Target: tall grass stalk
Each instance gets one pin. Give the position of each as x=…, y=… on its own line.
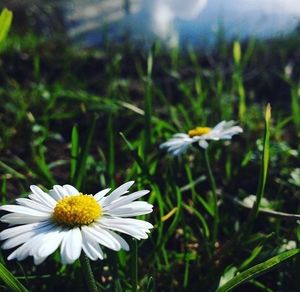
x=238, y=79
x=215, y=199
x=148, y=104
x=6, y=17
x=295, y=105
x=74, y=151
x=82, y=158
x=264, y=165
x=111, y=149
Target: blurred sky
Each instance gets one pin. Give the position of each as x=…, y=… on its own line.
x=173, y=21
x=182, y=21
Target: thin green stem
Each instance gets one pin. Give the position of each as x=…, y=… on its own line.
x=148, y=105
x=88, y=273
x=215, y=198
x=134, y=266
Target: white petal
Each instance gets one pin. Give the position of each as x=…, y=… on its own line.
x=28, y=248
x=101, y=194
x=38, y=260
x=126, y=199
x=91, y=247
x=34, y=205
x=22, y=210
x=223, y=130
x=16, y=218
x=177, y=140
x=71, y=246
x=71, y=191
x=174, y=142
x=126, y=221
x=25, y=236
x=219, y=125
x=101, y=236
x=181, y=135
x=14, y=231
x=130, y=230
x=17, y=240
x=20, y=253
x=42, y=197
x=62, y=192
x=134, y=227
x=203, y=144
x=132, y=209
x=55, y=195
x=117, y=193
x=51, y=242
x=179, y=144
x=36, y=242
x=17, y=252
x=178, y=151
x=121, y=240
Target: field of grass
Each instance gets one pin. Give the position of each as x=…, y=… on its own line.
x=96, y=118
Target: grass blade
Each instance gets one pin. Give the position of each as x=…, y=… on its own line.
x=258, y=270
x=295, y=105
x=81, y=165
x=6, y=17
x=237, y=53
x=148, y=104
x=42, y=166
x=74, y=151
x=10, y=280
x=111, y=149
x=215, y=199
x=7, y=169
x=150, y=285
x=264, y=165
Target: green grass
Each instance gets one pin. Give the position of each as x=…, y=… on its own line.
x=96, y=118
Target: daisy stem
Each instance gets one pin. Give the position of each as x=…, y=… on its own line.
x=88, y=273
x=134, y=266
x=215, y=199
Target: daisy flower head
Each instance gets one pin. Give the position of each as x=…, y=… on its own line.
x=180, y=142
x=75, y=222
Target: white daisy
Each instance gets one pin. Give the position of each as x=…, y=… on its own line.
x=180, y=142
x=68, y=219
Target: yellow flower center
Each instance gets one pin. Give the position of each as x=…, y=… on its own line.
x=77, y=210
x=199, y=131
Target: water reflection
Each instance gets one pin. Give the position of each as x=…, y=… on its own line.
x=173, y=21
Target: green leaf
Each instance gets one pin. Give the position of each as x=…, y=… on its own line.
x=10, y=280
x=258, y=270
x=6, y=17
